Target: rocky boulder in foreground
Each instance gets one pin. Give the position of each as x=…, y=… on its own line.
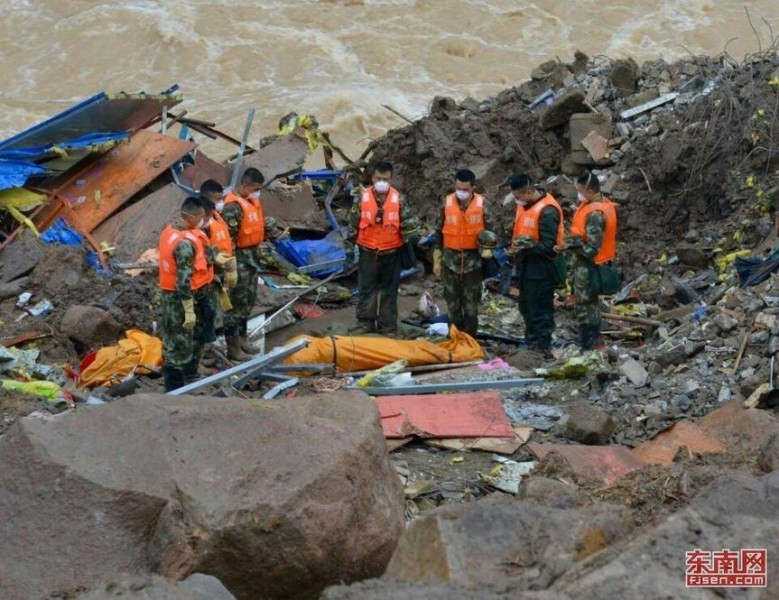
x=274, y=499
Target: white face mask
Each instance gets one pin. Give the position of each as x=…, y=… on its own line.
x=220, y=205
x=255, y=195
x=382, y=187
x=581, y=196
x=204, y=222
x=462, y=194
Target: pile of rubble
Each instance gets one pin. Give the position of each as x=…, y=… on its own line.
x=541, y=478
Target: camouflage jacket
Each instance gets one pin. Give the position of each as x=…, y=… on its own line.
x=536, y=262
x=594, y=229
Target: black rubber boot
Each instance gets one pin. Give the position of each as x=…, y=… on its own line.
x=174, y=378
x=589, y=336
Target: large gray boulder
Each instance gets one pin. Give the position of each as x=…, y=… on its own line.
x=503, y=540
x=274, y=499
x=733, y=512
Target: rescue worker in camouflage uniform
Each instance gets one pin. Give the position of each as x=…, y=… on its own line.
x=380, y=223
x=245, y=220
x=538, y=230
x=187, y=301
x=592, y=241
x=463, y=238
x=226, y=270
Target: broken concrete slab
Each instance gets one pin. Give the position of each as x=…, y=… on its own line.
x=90, y=325
x=635, y=372
x=476, y=414
x=604, y=464
x=596, y=145
x=588, y=425
x=549, y=492
x=471, y=543
x=662, y=448
x=570, y=102
x=228, y=487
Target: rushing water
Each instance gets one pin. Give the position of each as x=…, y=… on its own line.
x=338, y=59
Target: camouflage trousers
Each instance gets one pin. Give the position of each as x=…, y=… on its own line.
x=536, y=304
x=242, y=297
x=179, y=345
x=377, y=301
x=587, y=305
x=462, y=292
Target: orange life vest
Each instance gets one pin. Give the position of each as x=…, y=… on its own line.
x=252, y=229
x=462, y=228
x=526, y=220
x=380, y=236
x=219, y=234
x=203, y=273
x=608, y=249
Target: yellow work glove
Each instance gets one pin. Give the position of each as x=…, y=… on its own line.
x=231, y=279
x=224, y=300
x=189, y=314
x=437, y=256
x=486, y=253
x=223, y=258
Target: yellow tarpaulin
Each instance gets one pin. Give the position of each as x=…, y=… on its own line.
x=17, y=200
x=138, y=351
x=361, y=353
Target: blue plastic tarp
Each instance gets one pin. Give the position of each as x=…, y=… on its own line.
x=13, y=173
x=61, y=233
x=311, y=252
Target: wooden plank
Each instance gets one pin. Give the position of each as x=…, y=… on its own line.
x=118, y=175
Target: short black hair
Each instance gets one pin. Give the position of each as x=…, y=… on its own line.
x=520, y=181
x=252, y=175
x=211, y=186
x=207, y=204
x=191, y=204
x=590, y=181
x=383, y=167
x=466, y=176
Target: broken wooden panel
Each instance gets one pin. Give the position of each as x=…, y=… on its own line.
x=283, y=156
x=477, y=414
x=204, y=168
x=497, y=445
x=295, y=207
x=662, y=448
x=138, y=227
x=606, y=464
x=113, y=179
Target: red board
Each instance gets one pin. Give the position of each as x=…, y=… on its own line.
x=478, y=414
x=601, y=463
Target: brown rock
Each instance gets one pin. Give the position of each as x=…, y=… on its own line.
x=472, y=543
x=20, y=256
x=642, y=98
x=90, y=325
x=588, y=425
x=742, y=430
x=286, y=498
x=549, y=492
x=624, y=76
x=768, y=459
x=693, y=256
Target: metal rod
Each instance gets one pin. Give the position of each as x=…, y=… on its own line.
x=277, y=389
x=239, y=159
x=432, y=388
x=428, y=368
x=322, y=265
x=274, y=355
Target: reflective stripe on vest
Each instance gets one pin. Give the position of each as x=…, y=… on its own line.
x=202, y=275
x=608, y=248
x=379, y=236
x=219, y=234
x=462, y=228
x=526, y=221
x=252, y=229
